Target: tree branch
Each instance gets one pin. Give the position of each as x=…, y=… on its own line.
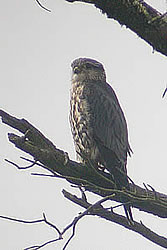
x=57, y=162
x=93, y=209
x=139, y=228
x=141, y=18
x=35, y=222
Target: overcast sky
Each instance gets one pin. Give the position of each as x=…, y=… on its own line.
x=36, y=50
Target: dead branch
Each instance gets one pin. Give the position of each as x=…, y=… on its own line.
x=18, y=167
x=137, y=15
x=93, y=209
x=35, y=222
x=55, y=160
x=139, y=228
x=81, y=215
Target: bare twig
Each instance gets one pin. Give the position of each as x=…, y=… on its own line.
x=43, y=166
x=36, y=163
x=120, y=205
x=18, y=167
x=93, y=209
x=34, y=222
x=81, y=215
x=119, y=219
x=43, y=245
x=164, y=93
x=38, y=2
x=21, y=221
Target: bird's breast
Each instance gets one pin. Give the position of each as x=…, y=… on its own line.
x=80, y=119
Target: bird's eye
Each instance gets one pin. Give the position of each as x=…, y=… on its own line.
x=76, y=70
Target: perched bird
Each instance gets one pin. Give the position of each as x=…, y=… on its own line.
x=98, y=123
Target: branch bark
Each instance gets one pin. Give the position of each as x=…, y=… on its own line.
x=141, y=18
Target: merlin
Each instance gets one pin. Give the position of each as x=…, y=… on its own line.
x=98, y=123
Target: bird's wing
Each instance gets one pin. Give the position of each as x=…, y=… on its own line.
x=108, y=121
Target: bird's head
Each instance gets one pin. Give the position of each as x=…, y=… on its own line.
x=86, y=69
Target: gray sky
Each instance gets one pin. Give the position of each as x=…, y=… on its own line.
x=36, y=49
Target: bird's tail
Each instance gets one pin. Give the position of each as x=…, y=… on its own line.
x=121, y=181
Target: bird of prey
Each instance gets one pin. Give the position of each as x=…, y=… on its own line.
x=98, y=123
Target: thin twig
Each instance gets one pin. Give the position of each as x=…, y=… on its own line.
x=43, y=245
x=37, y=163
x=22, y=221
x=18, y=167
x=121, y=220
x=43, y=7
x=81, y=215
x=52, y=225
x=44, y=175
x=34, y=222
x=164, y=93
x=43, y=166
x=120, y=205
